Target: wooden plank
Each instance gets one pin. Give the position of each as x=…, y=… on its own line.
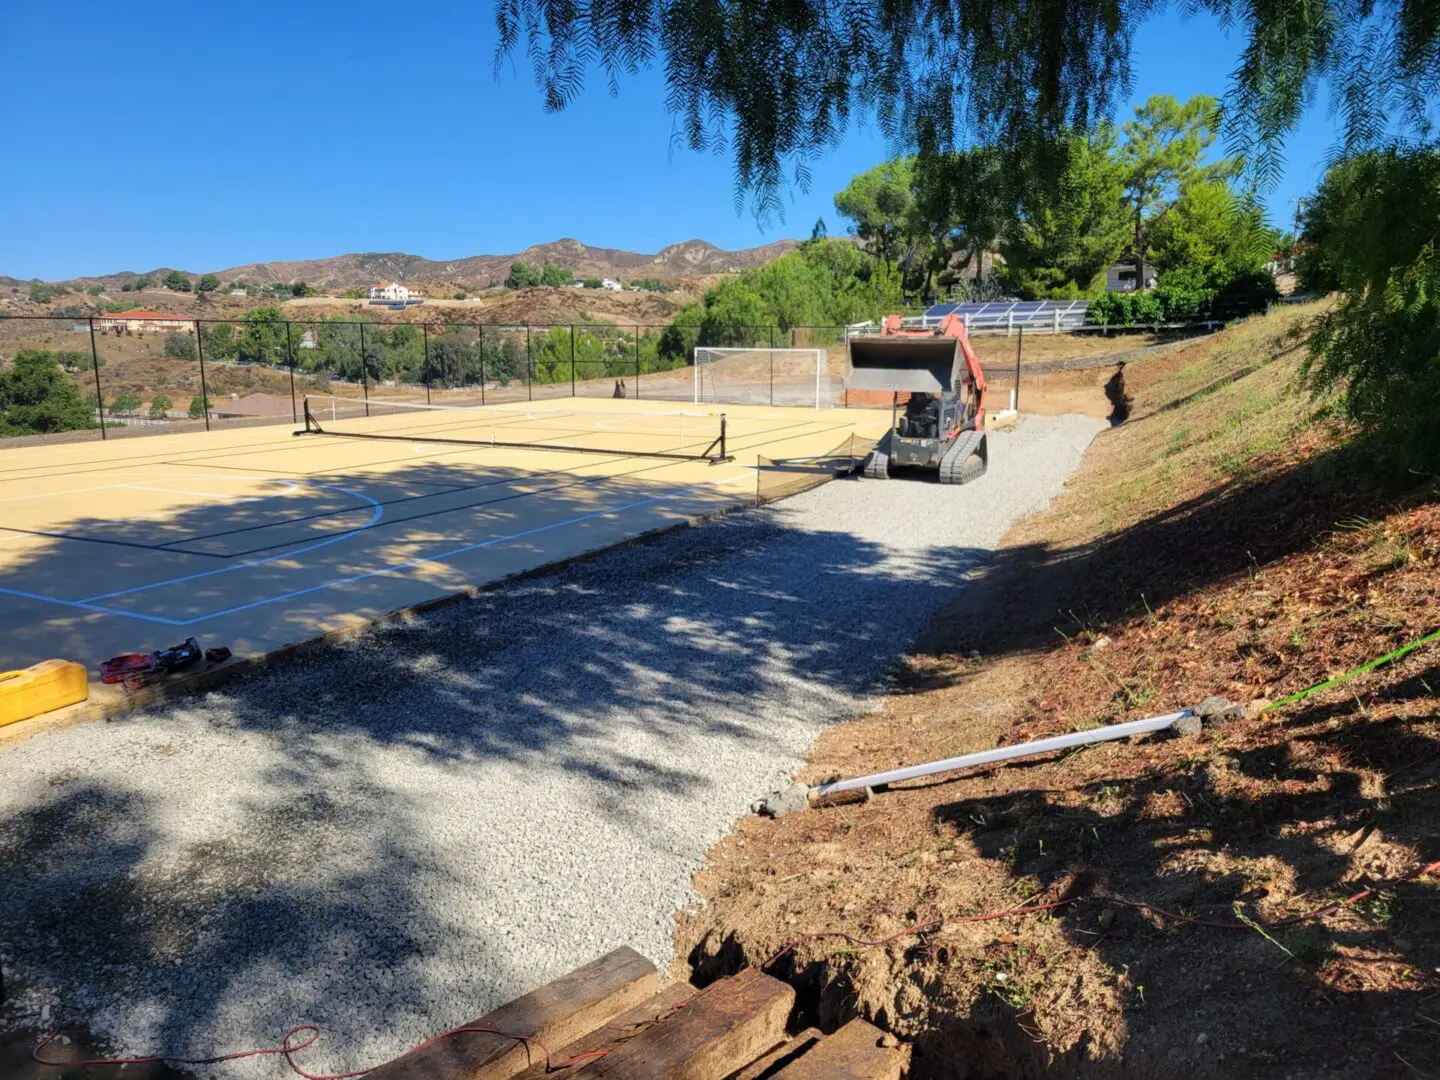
x=852, y=1053
x=727, y=1026
x=769, y=1064
x=623, y=1028
x=557, y=1013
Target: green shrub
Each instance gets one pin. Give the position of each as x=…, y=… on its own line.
x=1372, y=224
x=1183, y=302
x=36, y=396
x=1246, y=293
x=160, y=407
x=1110, y=309
x=181, y=346
x=1146, y=307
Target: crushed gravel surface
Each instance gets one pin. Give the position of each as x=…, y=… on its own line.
x=390, y=837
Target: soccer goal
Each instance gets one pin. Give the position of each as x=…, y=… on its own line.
x=795, y=377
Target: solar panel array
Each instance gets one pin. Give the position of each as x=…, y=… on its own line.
x=1050, y=314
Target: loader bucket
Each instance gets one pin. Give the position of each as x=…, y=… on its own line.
x=919, y=364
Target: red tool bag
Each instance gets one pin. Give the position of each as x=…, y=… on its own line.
x=125, y=667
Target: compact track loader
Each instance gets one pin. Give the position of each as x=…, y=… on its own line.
x=942, y=425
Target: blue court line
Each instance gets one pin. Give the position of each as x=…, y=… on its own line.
x=427, y=559
x=377, y=512
x=84, y=605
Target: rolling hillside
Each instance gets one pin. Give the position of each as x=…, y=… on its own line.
x=691, y=258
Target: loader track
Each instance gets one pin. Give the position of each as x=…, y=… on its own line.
x=877, y=462
x=965, y=460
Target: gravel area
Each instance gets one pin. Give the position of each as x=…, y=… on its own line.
x=390, y=837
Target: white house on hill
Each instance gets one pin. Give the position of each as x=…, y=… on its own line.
x=393, y=291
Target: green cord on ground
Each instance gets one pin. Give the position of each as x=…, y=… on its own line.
x=1361, y=670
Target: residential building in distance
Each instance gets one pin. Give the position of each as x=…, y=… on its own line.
x=140, y=321
x=392, y=291
x=1121, y=277
x=611, y=284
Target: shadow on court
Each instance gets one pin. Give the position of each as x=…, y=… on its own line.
x=301, y=553
x=393, y=834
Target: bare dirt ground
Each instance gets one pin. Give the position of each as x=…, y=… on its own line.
x=1224, y=541
x=997, y=349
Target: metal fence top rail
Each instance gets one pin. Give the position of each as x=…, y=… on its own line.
x=991, y=308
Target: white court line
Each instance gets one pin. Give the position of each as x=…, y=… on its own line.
x=291, y=486
x=229, y=500
x=122, y=483
x=62, y=494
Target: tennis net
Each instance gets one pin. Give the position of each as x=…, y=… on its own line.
x=679, y=435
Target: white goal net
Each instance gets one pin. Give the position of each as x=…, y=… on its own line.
x=795, y=377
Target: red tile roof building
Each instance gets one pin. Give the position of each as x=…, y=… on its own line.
x=140, y=321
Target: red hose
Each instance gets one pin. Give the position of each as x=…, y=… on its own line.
x=287, y=1048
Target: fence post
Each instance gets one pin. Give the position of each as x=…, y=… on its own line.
x=1057, y=320
x=364, y=371
x=1015, y=394
x=204, y=388
x=95, y=366
x=425, y=364
x=572, y=359
x=637, y=363
x=772, y=367
x=1010, y=324
x=100, y=401
x=290, y=356
x=482, y=366
x=529, y=369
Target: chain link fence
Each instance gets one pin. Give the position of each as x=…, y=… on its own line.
x=98, y=376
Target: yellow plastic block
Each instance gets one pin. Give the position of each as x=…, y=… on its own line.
x=48, y=685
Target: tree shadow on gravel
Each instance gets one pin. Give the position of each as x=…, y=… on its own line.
x=1205, y=838
x=213, y=870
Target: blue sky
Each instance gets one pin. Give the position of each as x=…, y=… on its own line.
x=205, y=136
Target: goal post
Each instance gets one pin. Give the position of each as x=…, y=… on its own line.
x=761, y=376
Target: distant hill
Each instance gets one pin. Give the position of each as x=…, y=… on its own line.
x=692, y=258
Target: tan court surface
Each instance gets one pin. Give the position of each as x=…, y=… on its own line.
x=257, y=538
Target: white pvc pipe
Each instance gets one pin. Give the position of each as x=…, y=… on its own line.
x=1005, y=753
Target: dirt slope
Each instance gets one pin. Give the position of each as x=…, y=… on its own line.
x=1221, y=542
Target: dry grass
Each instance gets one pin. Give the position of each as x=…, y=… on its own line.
x=1219, y=543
